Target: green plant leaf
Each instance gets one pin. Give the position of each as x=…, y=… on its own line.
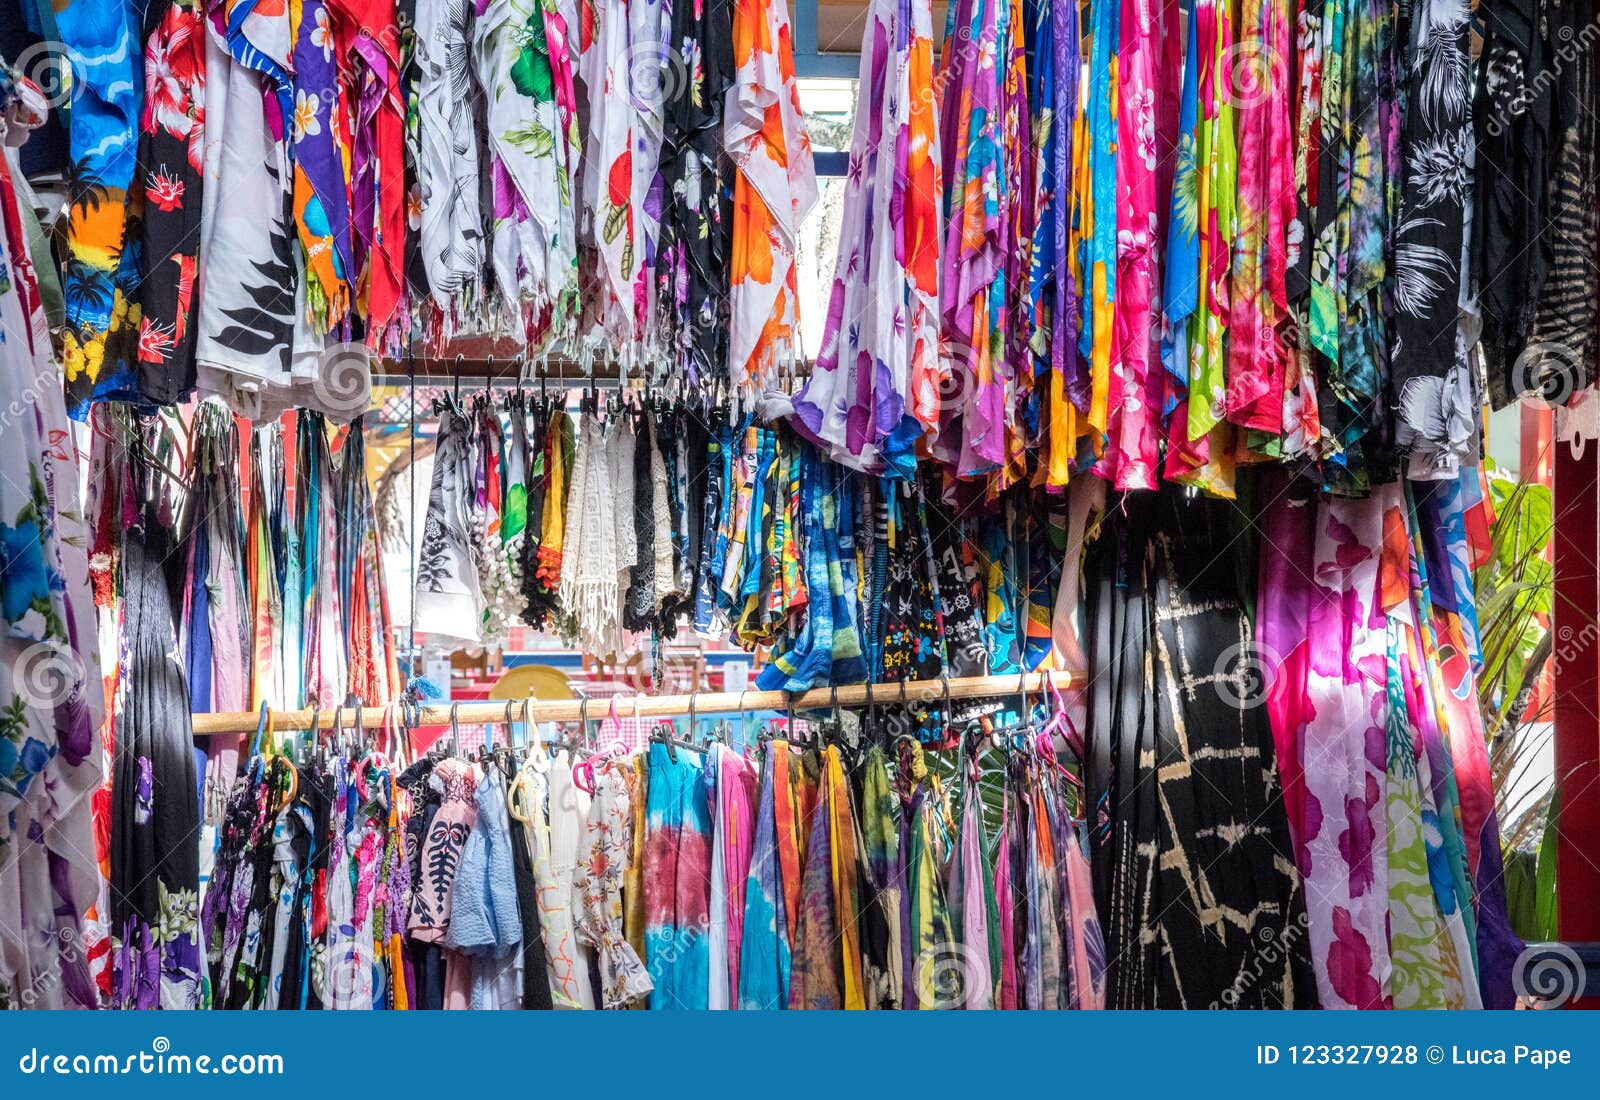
x=533, y=139
x=1546, y=909
x=616, y=218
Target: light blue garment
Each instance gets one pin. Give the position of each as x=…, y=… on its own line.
x=764, y=949
x=677, y=945
x=1102, y=242
x=1182, y=289
x=483, y=901
x=808, y=661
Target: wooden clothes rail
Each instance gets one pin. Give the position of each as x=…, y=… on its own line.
x=649, y=706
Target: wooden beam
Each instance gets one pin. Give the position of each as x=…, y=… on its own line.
x=924, y=692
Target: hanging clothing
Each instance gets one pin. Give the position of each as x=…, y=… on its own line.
x=54, y=940
x=569, y=807
x=764, y=950
x=677, y=896
x=528, y=802
x=155, y=813
x=774, y=188
x=171, y=163
x=98, y=343
x=449, y=602
x=876, y=387
x=732, y=854
x=602, y=867
x=1187, y=828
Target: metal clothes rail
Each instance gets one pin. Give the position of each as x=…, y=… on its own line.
x=926, y=692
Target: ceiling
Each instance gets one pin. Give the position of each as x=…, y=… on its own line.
x=840, y=23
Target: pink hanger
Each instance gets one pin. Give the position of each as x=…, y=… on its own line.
x=1059, y=722
x=583, y=771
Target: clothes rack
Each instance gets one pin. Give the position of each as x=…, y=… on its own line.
x=652, y=706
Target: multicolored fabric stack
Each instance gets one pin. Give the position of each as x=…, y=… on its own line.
x=53, y=905
x=1158, y=241
x=265, y=195
x=808, y=875
x=637, y=517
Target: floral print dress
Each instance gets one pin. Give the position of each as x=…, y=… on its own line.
x=874, y=389
x=51, y=759
x=772, y=194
